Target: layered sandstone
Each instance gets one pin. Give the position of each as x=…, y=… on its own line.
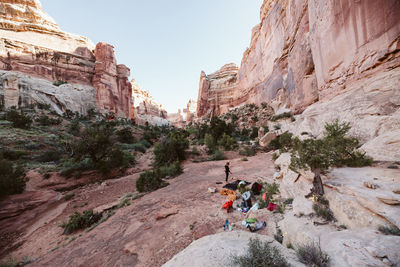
x=31, y=43
x=309, y=50
x=184, y=116
x=147, y=109
x=216, y=90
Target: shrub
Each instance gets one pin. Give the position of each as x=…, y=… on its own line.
x=312, y=255
x=59, y=82
x=171, y=170
x=227, y=142
x=171, y=148
x=260, y=254
x=282, y=116
x=266, y=129
x=217, y=155
x=389, y=230
x=323, y=211
x=45, y=120
x=334, y=149
x=43, y=106
x=18, y=119
x=254, y=133
x=145, y=143
x=210, y=143
x=125, y=136
x=248, y=152
x=69, y=196
x=283, y=142
x=264, y=105
x=149, y=181
x=139, y=147
x=79, y=221
x=275, y=156
x=13, y=154
x=74, y=128
x=75, y=168
x=195, y=151
x=49, y=156
x=12, y=179
x=245, y=159
x=96, y=144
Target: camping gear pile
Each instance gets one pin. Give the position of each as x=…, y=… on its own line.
x=246, y=206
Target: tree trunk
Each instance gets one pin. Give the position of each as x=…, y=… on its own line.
x=317, y=183
x=318, y=188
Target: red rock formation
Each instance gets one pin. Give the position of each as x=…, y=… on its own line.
x=32, y=43
x=114, y=92
x=307, y=50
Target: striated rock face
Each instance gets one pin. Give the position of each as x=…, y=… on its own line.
x=216, y=91
x=305, y=51
x=146, y=108
x=185, y=116
x=32, y=43
x=114, y=91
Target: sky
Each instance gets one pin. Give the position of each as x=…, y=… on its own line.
x=165, y=43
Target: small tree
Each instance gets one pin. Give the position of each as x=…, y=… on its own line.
x=12, y=179
x=210, y=143
x=171, y=148
x=334, y=149
x=18, y=119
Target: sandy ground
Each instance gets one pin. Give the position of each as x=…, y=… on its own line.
x=139, y=235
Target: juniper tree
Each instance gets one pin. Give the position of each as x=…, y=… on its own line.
x=333, y=149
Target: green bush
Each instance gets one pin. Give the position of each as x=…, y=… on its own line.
x=74, y=128
x=171, y=170
x=210, y=143
x=145, y=143
x=217, y=155
x=50, y=156
x=45, y=120
x=334, y=149
x=95, y=143
x=149, y=181
x=13, y=154
x=248, y=152
x=12, y=179
x=18, y=119
x=260, y=254
x=43, y=106
x=312, y=255
x=78, y=221
x=323, y=211
x=125, y=136
x=171, y=148
x=254, y=133
x=283, y=142
x=139, y=147
x=226, y=142
x=282, y=116
x=389, y=230
x=59, y=82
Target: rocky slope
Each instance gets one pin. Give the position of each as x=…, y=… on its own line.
x=307, y=51
x=146, y=107
x=32, y=44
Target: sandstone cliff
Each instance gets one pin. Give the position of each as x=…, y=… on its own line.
x=146, y=108
x=184, y=116
x=309, y=50
x=31, y=43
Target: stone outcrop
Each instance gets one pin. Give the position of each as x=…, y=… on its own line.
x=216, y=250
x=146, y=108
x=32, y=43
x=307, y=51
x=185, y=116
x=216, y=91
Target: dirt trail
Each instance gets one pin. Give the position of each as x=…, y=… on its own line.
x=138, y=235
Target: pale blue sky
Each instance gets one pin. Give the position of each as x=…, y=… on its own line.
x=165, y=43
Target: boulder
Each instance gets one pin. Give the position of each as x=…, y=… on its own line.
x=266, y=139
x=216, y=250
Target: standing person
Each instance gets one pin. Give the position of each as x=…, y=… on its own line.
x=227, y=171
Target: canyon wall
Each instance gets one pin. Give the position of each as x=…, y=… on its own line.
x=304, y=51
x=185, y=116
x=33, y=47
x=146, y=107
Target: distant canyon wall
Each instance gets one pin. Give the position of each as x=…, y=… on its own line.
x=33, y=48
x=304, y=51
x=146, y=108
